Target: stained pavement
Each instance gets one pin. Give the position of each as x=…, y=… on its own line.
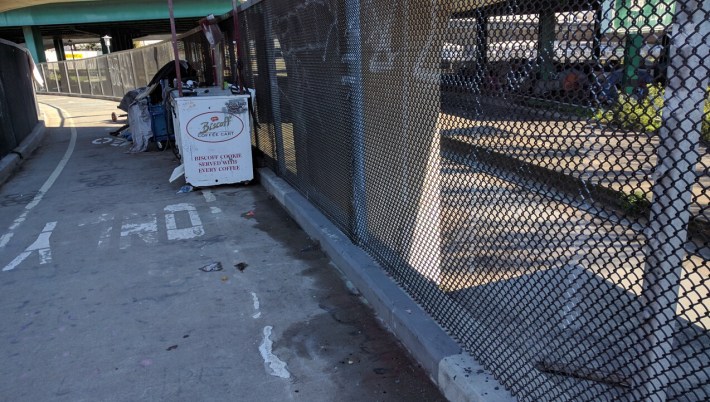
x=104, y=298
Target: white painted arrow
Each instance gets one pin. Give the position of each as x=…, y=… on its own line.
x=41, y=246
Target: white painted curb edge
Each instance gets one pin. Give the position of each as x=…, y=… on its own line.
x=457, y=374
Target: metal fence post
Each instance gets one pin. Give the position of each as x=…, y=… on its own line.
x=98, y=76
x=353, y=58
x=147, y=69
x=78, y=78
x=134, y=72
x=88, y=76
x=56, y=78
x=274, y=94
x=64, y=81
x=672, y=193
x=45, y=74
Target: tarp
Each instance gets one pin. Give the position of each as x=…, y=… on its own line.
x=139, y=121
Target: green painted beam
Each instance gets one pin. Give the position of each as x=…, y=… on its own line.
x=110, y=11
x=632, y=60
x=33, y=41
x=59, y=48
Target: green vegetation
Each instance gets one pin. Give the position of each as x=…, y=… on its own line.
x=635, y=114
x=635, y=203
x=645, y=114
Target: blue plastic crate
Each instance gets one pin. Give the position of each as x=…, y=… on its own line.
x=158, y=123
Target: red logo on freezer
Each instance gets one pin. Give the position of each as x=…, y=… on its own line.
x=215, y=127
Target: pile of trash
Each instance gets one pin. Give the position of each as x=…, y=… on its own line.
x=146, y=108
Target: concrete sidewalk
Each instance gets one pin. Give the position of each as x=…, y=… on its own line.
x=116, y=287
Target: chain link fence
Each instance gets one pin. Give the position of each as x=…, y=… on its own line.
x=18, y=109
x=535, y=174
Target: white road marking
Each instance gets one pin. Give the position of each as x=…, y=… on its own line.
x=276, y=366
x=255, y=298
x=209, y=197
x=41, y=246
x=5, y=238
x=174, y=233
x=215, y=210
x=101, y=141
x=147, y=231
x=105, y=233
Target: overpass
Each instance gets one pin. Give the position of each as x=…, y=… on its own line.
x=40, y=25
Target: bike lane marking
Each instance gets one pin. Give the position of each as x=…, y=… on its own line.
x=5, y=238
x=41, y=246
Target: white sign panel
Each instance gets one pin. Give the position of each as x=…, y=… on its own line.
x=214, y=139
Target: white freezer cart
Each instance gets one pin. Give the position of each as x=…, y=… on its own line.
x=213, y=135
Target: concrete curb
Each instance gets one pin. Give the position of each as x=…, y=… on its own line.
x=458, y=375
x=89, y=96
x=10, y=162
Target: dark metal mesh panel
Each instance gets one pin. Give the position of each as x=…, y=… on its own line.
x=149, y=61
x=51, y=77
x=558, y=147
x=105, y=76
x=94, y=79
x=141, y=76
x=307, y=73
x=195, y=49
x=18, y=110
x=534, y=173
x=82, y=76
x=72, y=79
x=257, y=74
x=63, y=78
x=114, y=74
x=125, y=71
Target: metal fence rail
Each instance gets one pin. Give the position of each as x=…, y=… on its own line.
x=18, y=109
x=114, y=74
x=535, y=174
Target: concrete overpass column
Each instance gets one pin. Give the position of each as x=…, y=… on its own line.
x=33, y=41
x=121, y=40
x=59, y=48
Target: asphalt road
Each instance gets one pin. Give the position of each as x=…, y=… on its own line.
x=116, y=287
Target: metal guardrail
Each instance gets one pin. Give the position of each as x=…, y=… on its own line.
x=114, y=74
x=18, y=109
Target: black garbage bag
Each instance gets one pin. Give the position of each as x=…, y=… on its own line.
x=168, y=72
x=154, y=91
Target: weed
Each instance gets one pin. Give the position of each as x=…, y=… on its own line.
x=645, y=114
x=635, y=203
